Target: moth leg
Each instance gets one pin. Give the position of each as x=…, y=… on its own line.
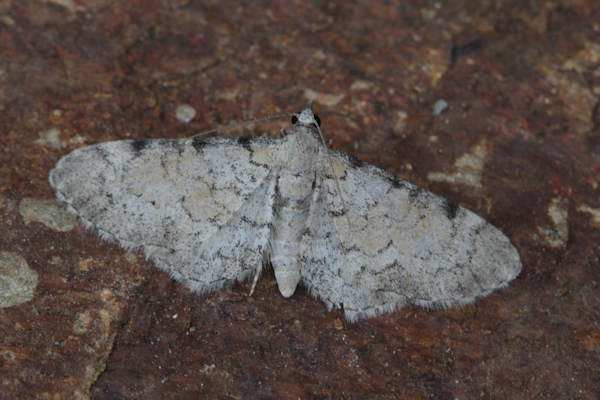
x=282, y=133
x=255, y=280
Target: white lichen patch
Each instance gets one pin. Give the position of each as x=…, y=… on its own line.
x=401, y=117
x=361, y=85
x=557, y=234
x=82, y=322
x=68, y=4
x=435, y=64
x=469, y=168
x=323, y=98
x=17, y=280
x=185, y=113
x=594, y=213
x=439, y=107
x=49, y=212
x=50, y=138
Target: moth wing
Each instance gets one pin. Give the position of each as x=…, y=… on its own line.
x=404, y=245
x=199, y=208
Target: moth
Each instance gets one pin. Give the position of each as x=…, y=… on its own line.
x=213, y=211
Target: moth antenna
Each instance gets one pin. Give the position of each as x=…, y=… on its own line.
x=337, y=182
x=237, y=124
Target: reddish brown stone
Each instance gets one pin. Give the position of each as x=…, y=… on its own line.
x=522, y=85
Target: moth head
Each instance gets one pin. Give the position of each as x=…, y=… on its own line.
x=306, y=117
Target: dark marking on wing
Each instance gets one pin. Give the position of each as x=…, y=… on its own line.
x=198, y=144
x=244, y=141
x=110, y=199
x=175, y=144
x=415, y=192
x=396, y=182
x=420, y=196
x=355, y=162
x=138, y=145
x=451, y=208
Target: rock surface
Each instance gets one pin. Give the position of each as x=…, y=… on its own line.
x=518, y=142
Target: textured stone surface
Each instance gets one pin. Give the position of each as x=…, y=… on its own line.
x=518, y=143
x=49, y=212
x=17, y=280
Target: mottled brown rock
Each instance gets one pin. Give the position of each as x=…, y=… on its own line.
x=518, y=143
